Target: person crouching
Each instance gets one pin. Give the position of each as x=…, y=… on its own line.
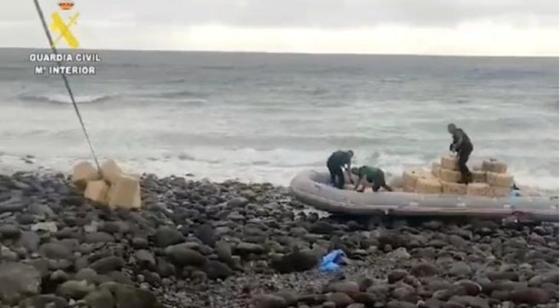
x=371, y=177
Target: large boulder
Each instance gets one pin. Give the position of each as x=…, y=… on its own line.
x=18, y=280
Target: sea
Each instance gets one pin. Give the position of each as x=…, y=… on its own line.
x=262, y=117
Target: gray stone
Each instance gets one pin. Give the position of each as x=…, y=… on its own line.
x=45, y=226
x=9, y=231
x=238, y=202
x=44, y=301
x=99, y=237
x=532, y=296
x=108, y=264
x=167, y=236
x=340, y=299
x=345, y=286
x=471, y=301
x=131, y=297
x=101, y=298
x=145, y=258
x=248, y=248
x=181, y=255
x=217, y=270
x=55, y=251
x=75, y=289
x=30, y=241
x=18, y=280
x=269, y=301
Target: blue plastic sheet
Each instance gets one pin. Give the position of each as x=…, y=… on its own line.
x=332, y=261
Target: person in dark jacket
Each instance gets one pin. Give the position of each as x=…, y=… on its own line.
x=337, y=162
x=370, y=176
x=463, y=146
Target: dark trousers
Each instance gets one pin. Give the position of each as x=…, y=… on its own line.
x=463, y=155
x=379, y=183
x=337, y=176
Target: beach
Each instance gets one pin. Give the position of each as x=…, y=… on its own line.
x=260, y=117
x=219, y=136
x=234, y=244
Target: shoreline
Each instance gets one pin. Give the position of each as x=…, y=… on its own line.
x=232, y=244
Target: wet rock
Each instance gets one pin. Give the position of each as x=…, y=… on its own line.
x=45, y=301
x=205, y=234
x=248, y=248
x=9, y=231
x=167, y=236
x=396, y=275
x=131, y=297
x=538, y=280
x=30, y=241
x=405, y=293
x=140, y=243
x=471, y=288
x=181, y=255
x=75, y=289
x=399, y=254
x=99, y=237
x=424, y=270
x=322, y=227
x=108, y=264
x=101, y=298
x=290, y=297
x=297, y=261
x=460, y=269
x=145, y=258
x=18, y=280
x=45, y=226
x=55, y=251
x=88, y=275
x=503, y=276
x=340, y=299
x=532, y=296
x=400, y=304
x=238, y=202
x=223, y=250
x=344, y=286
x=269, y=301
x=217, y=270
x=471, y=301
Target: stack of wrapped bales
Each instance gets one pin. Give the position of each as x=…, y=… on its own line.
x=491, y=180
x=111, y=186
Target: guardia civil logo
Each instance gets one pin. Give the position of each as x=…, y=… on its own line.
x=63, y=20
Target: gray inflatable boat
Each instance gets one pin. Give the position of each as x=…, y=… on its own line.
x=313, y=188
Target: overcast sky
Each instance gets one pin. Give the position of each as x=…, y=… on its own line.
x=456, y=27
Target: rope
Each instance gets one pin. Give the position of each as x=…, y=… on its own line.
x=66, y=83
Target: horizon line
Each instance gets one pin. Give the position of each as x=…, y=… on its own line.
x=288, y=52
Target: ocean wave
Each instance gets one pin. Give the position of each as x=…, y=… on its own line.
x=177, y=94
x=64, y=98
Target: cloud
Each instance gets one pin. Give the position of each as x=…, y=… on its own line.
x=403, y=26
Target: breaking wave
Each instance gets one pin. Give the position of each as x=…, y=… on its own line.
x=64, y=98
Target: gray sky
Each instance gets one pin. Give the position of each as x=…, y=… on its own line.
x=467, y=27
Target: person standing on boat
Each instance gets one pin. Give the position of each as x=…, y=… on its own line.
x=463, y=146
x=370, y=176
x=337, y=162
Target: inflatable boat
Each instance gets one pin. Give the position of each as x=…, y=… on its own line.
x=314, y=189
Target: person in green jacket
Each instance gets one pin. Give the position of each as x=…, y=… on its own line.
x=370, y=176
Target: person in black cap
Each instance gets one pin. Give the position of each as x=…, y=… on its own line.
x=338, y=161
x=463, y=146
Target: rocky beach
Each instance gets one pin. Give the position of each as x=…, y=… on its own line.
x=231, y=244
